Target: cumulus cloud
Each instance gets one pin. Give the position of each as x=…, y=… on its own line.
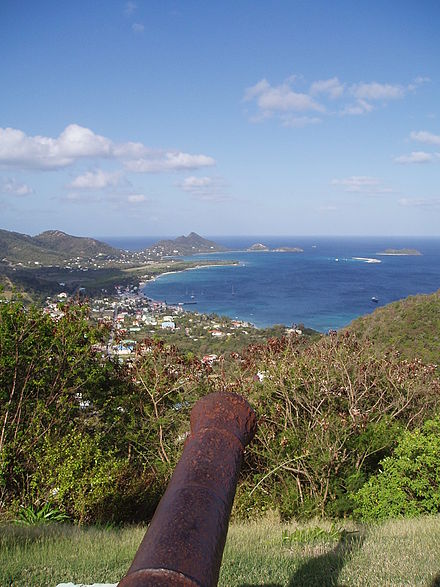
x=275, y=101
x=361, y=184
x=426, y=137
x=417, y=157
x=96, y=180
x=170, y=161
x=39, y=152
x=418, y=81
x=13, y=188
x=332, y=87
x=136, y=198
x=376, y=91
x=208, y=189
x=191, y=183
x=280, y=98
x=358, y=108
x=299, y=121
x=77, y=143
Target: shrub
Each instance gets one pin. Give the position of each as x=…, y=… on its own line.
x=409, y=482
x=328, y=414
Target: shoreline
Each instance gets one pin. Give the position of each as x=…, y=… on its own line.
x=155, y=277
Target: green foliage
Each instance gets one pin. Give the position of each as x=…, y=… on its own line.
x=409, y=482
x=99, y=440
x=313, y=535
x=328, y=413
x=47, y=514
x=47, y=370
x=410, y=326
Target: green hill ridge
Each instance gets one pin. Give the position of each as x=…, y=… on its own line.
x=51, y=246
x=411, y=325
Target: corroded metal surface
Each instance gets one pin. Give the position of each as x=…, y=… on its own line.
x=184, y=543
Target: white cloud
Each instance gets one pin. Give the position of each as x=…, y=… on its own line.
x=420, y=202
x=13, y=188
x=191, y=183
x=171, y=161
x=418, y=81
x=278, y=101
x=280, y=98
x=136, y=198
x=208, y=189
x=362, y=184
x=376, y=91
x=426, y=137
x=138, y=27
x=358, y=108
x=98, y=179
x=38, y=152
x=332, y=87
x=254, y=91
x=417, y=157
x=299, y=121
x=77, y=142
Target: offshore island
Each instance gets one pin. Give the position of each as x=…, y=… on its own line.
x=260, y=247
x=400, y=252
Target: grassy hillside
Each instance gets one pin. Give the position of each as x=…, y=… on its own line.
x=412, y=326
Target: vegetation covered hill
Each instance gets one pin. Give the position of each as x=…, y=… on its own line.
x=187, y=245
x=411, y=326
x=74, y=246
x=50, y=247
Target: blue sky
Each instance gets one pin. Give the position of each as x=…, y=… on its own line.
x=245, y=117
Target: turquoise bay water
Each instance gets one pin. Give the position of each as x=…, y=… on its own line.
x=323, y=288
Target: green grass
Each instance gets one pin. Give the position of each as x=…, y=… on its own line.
x=396, y=553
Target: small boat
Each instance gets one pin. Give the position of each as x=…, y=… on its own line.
x=374, y=299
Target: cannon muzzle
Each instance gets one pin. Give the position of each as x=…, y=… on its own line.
x=184, y=543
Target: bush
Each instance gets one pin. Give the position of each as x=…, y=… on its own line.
x=328, y=414
x=409, y=482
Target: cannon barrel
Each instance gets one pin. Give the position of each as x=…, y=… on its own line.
x=184, y=543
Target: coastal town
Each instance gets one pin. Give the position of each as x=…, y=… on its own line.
x=132, y=317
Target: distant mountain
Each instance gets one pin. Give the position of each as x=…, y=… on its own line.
x=50, y=247
x=74, y=246
x=186, y=245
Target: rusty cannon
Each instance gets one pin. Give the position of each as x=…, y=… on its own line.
x=184, y=543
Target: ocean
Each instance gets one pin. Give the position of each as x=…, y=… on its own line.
x=325, y=287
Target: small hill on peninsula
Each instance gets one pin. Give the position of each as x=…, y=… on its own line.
x=411, y=326
x=186, y=245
